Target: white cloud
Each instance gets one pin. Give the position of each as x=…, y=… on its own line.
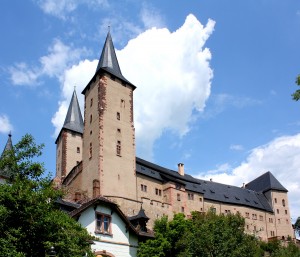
x=172, y=75
x=280, y=156
x=151, y=17
x=61, y=8
x=5, y=125
x=236, y=147
x=59, y=57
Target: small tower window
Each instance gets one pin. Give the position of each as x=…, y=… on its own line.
x=122, y=103
x=91, y=150
x=178, y=197
x=91, y=104
x=275, y=200
x=96, y=188
x=78, y=149
x=118, y=116
x=283, y=202
x=119, y=130
x=118, y=148
x=91, y=118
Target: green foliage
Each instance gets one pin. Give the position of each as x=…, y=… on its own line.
x=30, y=221
x=297, y=226
x=209, y=235
x=296, y=95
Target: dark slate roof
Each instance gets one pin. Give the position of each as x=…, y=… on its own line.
x=140, y=215
x=265, y=183
x=74, y=119
x=211, y=190
x=8, y=146
x=108, y=60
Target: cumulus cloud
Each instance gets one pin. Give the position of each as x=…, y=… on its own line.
x=5, y=125
x=59, y=57
x=172, y=73
x=61, y=8
x=281, y=156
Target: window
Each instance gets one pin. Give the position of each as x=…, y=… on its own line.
x=182, y=209
x=275, y=200
x=96, y=188
x=143, y=188
x=122, y=103
x=78, y=149
x=254, y=228
x=213, y=210
x=91, y=103
x=91, y=150
x=190, y=196
x=77, y=196
x=178, y=186
x=200, y=199
x=103, y=223
x=261, y=218
x=247, y=215
x=287, y=221
x=271, y=220
x=158, y=191
x=119, y=130
x=227, y=211
x=283, y=202
x=118, y=116
x=178, y=197
x=254, y=216
x=285, y=212
x=118, y=148
x=279, y=221
x=91, y=132
x=277, y=211
x=91, y=118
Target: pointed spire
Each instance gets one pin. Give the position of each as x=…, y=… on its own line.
x=74, y=119
x=9, y=145
x=108, y=60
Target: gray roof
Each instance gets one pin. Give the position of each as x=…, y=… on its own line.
x=8, y=147
x=265, y=183
x=211, y=190
x=108, y=60
x=140, y=215
x=74, y=121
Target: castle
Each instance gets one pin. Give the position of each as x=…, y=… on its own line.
x=95, y=156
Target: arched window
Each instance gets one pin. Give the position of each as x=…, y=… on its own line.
x=96, y=188
x=283, y=202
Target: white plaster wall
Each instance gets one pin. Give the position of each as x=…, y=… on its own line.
x=120, y=243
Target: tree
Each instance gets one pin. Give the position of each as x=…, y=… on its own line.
x=202, y=235
x=30, y=219
x=217, y=235
x=297, y=226
x=296, y=95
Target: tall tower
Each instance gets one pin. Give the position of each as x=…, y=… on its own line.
x=5, y=173
x=109, y=137
x=69, y=140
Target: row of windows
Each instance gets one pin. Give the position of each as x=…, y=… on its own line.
x=283, y=201
x=118, y=149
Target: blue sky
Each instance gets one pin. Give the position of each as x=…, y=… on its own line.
x=214, y=79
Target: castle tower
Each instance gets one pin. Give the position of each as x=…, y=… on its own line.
x=109, y=137
x=280, y=220
x=69, y=140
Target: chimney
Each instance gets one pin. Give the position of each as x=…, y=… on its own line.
x=181, y=169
